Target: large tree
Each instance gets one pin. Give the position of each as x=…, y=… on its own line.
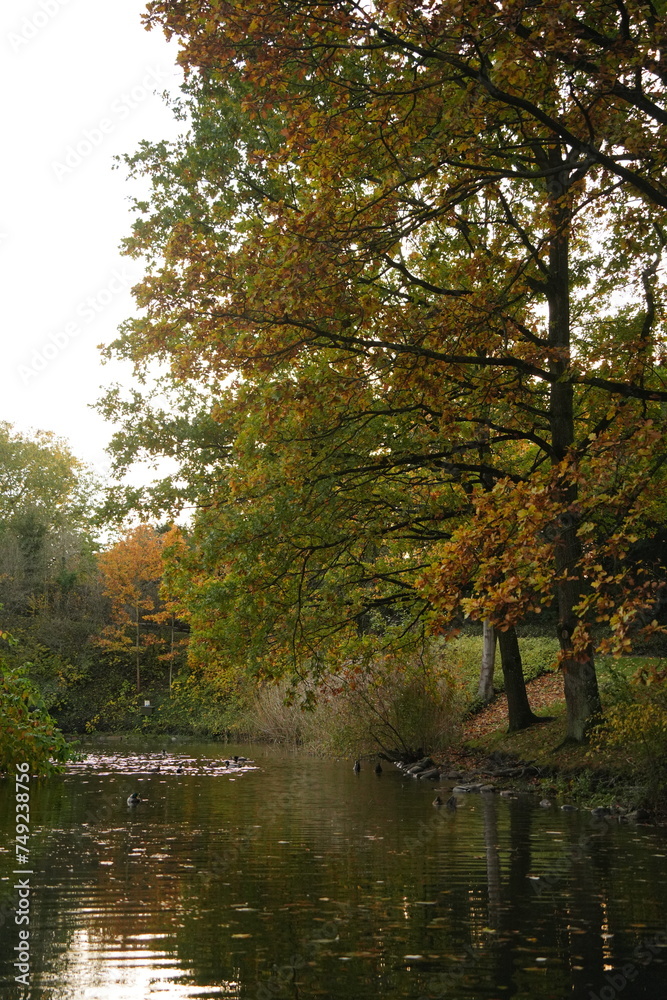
x=468, y=201
x=39, y=475
x=45, y=517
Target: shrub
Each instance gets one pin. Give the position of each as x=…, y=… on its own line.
x=275, y=716
x=197, y=706
x=28, y=733
x=635, y=726
x=385, y=704
x=119, y=711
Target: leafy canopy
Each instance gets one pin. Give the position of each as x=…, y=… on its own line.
x=461, y=210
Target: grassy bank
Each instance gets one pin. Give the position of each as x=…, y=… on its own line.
x=428, y=702
x=625, y=760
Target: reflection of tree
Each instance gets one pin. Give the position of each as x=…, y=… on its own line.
x=581, y=908
x=518, y=898
x=489, y=806
x=284, y=859
x=561, y=913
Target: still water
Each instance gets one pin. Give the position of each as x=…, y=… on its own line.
x=294, y=878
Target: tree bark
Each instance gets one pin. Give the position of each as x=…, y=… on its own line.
x=519, y=712
x=582, y=698
x=485, y=689
x=171, y=658
x=137, y=649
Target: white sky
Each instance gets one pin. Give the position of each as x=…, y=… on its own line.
x=80, y=82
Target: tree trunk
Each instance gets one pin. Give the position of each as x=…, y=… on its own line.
x=137, y=651
x=171, y=658
x=485, y=689
x=582, y=698
x=519, y=711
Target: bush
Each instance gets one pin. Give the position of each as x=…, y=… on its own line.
x=401, y=711
x=385, y=705
x=196, y=706
x=276, y=717
x=635, y=725
x=28, y=733
x=119, y=712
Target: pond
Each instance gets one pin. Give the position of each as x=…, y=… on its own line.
x=294, y=877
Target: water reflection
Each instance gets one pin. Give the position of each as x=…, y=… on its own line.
x=286, y=877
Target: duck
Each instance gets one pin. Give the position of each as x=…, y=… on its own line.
x=451, y=802
x=357, y=766
x=378, y=768
x=179, y=770
x=133, y=799
x=437, y=802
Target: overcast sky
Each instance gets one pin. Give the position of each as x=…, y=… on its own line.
x=80, y=82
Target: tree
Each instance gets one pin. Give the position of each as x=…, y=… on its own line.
x=40, y=475
x=132, y=569
x=308, y=541
x=450, y=197
x=45, y=493
x=172, y=613
x=489, y=639
x=48, y=581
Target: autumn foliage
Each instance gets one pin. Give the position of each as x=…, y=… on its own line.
x=132, y=572
x=405, y=277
